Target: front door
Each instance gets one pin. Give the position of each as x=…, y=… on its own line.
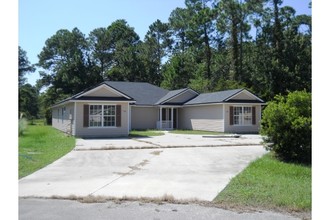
x=167, y=118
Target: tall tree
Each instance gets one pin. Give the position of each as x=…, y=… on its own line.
x=67, y=63
x=155, y=48
x=177, y=71
x=202, y=28
x=24, y=66
x=179, y=20
x=28, y=94
x=124, y=52
x=101, y=50
x=28, y=101
x=282, y=55
x=233, y=19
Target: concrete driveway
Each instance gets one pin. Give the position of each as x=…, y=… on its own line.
x=168, y=140
x=184, y=173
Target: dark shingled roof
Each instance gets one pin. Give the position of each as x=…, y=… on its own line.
x=169, y=95
x=214, y=97
x=147, y=94
x=143, y=93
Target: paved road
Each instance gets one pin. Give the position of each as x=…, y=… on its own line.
x=40, y=209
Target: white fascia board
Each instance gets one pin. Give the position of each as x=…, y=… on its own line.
x=245, y=103
x=170, y=106
x=144, y=106
x=201, y=104
x=102, y=101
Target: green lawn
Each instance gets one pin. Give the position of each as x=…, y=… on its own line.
x=39, y=146
x=269, y=183
x=145, y=133
x=196, y=132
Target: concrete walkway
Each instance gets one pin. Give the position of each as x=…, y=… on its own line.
x=168, y=140
x=183, y=173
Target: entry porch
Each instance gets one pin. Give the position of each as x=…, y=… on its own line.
x=168, y=118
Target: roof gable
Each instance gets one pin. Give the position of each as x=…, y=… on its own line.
x=103, y=90
x=244, y=96
x=213, y=97
x=225, y=96
x=179, y=96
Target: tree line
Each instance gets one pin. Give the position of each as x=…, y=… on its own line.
x=209, y=45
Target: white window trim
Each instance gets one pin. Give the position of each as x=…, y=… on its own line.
x=102, y=117
x=242, y=106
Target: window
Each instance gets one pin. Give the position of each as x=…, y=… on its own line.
x=102, y=115
x=109, y=115
x=242, y=115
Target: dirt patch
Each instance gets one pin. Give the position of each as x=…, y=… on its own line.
x=124, y=174
x=156, y=152
x=166, y=198
x=133, y=168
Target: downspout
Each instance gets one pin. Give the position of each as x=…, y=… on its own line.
x=160, y=119
x=75, y=119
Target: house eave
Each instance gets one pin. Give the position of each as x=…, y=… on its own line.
x=223, y=103
x=104, y=101
x=93, y=101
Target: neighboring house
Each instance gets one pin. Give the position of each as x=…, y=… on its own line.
x=114, y=108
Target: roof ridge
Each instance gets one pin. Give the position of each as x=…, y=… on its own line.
x=229, y=90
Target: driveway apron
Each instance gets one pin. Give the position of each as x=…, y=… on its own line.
x=183, y=173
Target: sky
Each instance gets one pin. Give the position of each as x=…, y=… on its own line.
x=40, y=19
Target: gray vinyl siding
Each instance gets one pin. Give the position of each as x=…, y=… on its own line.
x=243, y=96
x=65, y=123
x=242, y=129
x=103, y=92
x=144, y=117
x=82, y=131
x=205, y=118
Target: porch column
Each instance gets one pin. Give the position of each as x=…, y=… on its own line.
x=172, y=118
x=160, y=119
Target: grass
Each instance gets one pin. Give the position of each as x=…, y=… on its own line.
x=196, y=132
x=145, y=133
x=39, y=146
x=270, y=184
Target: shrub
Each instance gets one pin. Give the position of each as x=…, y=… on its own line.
x=287, y=125
x=22, y=125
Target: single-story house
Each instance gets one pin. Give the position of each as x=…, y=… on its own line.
x=114, y=108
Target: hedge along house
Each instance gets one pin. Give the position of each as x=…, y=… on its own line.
x=112, y=109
